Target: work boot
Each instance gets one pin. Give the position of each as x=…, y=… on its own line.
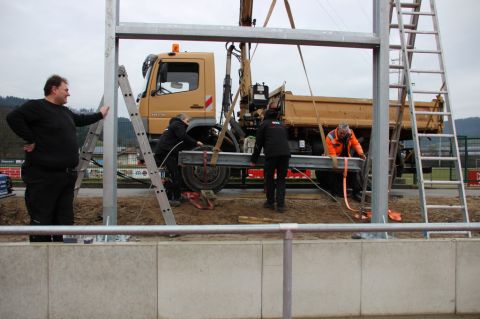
x=268, y=205
x=174, y=203
x=357, y=197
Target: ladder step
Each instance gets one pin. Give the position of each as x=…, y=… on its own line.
x=424, y=51
x=438, y=158
x=420, y=32
x=426, y=71
x=406, y=26
x=419, y=13
x=429, y=92
x=396, y=66
x=396, y=86
x=443, y=182
x=399, y=47
x=446, y=206
x=431, y=113
x=435, y=135
x=406, y=4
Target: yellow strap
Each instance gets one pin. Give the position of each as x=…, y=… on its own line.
x=216, y=149
x=269, y=14
x=320, y=127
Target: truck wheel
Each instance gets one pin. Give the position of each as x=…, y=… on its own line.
x=205, y=177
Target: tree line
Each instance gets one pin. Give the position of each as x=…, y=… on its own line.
x=11, y=146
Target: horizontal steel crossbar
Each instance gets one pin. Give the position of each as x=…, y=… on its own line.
x=222, y=33
x=242, y=160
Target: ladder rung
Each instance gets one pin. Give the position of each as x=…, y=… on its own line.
x=434, y=135
x=407, y=4
x=431, y=113
x=429, y=92
x=446, y=206
x=419, y=13
x=424, y=51
x=396, y=86
x=443, y=182
x=438, y=158
x=399, y=47
x=420, y=32
x=396, y=66
x=406, y=26
x=426, y=71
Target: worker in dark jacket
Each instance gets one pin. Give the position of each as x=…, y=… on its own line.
x=51, y=154
x=272, y=137
x=340, y=142
x=174, y=139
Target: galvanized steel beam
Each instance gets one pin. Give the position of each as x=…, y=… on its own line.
x=222, y=33
x=242, y=160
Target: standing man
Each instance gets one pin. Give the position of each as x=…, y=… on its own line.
x=174, y=139
x=272, y=137
x=51, y=154
x=340, y=142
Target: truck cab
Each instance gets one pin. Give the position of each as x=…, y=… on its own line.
x=177, y=82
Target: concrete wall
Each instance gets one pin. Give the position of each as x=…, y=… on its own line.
x=178, y=280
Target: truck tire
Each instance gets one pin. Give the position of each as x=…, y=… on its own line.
x=197, y=178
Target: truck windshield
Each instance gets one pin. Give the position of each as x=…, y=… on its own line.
x=181, y=77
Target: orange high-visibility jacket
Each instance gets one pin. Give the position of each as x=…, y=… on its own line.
x=335, y=146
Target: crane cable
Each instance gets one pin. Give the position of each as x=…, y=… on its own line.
x=320, y=127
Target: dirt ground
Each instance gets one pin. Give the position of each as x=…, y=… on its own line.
x=243, y=207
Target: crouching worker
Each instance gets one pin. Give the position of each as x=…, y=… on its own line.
x=340, y=142
x=171, y=142
x=272, y=137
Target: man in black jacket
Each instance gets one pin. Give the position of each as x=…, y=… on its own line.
x=272, y=137
x=174, y=139
x=51, y=154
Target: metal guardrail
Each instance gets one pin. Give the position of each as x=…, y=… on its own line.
x=286, y=229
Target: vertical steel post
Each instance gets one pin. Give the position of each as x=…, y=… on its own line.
x=287, y=274
x=110, y=123
x=380, y=127
x=465, y=159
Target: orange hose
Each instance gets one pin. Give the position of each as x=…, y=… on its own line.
x=345, y=171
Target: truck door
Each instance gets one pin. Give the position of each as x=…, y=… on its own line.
x=178, y=88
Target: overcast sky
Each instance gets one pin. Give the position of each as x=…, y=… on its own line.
x=42, y=37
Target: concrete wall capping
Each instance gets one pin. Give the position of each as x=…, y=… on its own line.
x=434, y=278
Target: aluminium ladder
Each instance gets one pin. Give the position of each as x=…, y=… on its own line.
x=408, y=90
x=398, y=106
x=95, y=131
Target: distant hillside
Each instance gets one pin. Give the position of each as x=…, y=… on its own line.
x=469, y=127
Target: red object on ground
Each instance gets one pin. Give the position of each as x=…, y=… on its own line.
x=474, y=178
x=198, y=201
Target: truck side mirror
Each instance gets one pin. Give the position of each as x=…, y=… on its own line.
x=163, y=72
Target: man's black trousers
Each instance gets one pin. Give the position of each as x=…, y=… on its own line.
x=174, y=186
x=280, y=164
x=48, y=198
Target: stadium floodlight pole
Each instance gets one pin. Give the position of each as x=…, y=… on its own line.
x=110, y=129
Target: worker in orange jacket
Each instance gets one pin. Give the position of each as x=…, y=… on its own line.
x=340, y=142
